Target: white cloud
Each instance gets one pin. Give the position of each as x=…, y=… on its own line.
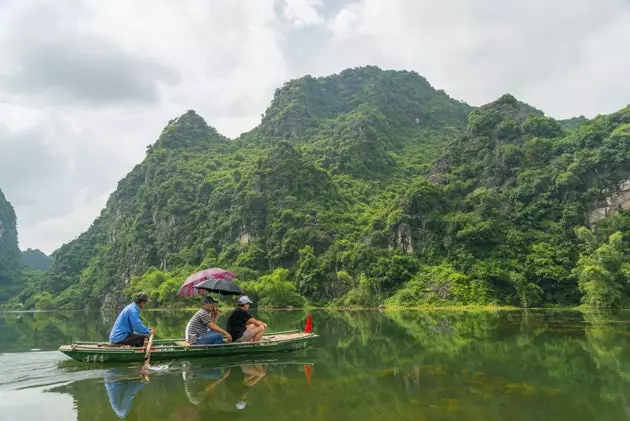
x=345, y=20
x=543, y=52
x=138, y=65
x=85, y=85
x=303, y=13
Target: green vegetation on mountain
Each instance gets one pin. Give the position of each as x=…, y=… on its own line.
x=573, y=123
x=9, y=251
x=36, y=259
x=361, y=188
x=506, y=217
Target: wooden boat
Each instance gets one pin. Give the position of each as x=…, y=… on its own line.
x=171, y=349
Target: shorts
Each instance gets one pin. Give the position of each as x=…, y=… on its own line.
x=246, y=336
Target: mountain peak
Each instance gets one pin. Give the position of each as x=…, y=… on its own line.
x=506, y=110
x=301, y=105
x=189, y=130
x=509, y=105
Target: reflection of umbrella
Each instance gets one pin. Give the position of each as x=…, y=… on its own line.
x=189, y=287
x=220, y=286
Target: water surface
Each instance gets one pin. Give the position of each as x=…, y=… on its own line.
x=367, y=365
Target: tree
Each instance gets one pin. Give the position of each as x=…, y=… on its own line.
x=603, y=275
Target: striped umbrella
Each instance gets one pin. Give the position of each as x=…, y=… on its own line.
x=189, y=287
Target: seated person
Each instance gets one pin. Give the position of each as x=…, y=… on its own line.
x=242, y=326
x=128, y=328
x=202, y=328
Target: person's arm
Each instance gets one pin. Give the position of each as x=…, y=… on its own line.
x=216, y=328
x=214, y=384
x=252, y=321
x=137, y=324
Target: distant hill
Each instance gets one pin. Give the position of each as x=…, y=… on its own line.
x=36, y=259
x=573, y=123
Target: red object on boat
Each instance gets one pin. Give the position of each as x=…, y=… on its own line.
x=309, y=324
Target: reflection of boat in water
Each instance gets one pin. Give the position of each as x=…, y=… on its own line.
x=170, y=349
x=202, y=386
x=225, y=387
x=190, y=390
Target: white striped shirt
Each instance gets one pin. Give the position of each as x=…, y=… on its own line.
x=198, y=326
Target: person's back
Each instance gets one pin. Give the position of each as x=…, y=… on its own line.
x=128, y=329
x=122, y=325
x=236, y=323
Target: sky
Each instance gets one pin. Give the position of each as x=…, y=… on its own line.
x=86, y=85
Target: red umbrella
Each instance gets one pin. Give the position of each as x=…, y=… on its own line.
x=188, y=288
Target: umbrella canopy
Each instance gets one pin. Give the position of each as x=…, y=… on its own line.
x=189, y=287
x=220, y=286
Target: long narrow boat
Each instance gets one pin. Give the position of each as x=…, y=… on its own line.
x=171, y=349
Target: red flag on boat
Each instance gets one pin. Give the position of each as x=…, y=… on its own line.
x=309, y=324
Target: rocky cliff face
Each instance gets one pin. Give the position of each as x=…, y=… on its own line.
x=613, y=204
x=9, y=251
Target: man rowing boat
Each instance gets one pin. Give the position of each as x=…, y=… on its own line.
x=128, y=328
x=242, y=326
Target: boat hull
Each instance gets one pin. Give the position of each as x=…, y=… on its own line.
x=172, y=350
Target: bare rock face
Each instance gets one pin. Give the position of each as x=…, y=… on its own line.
x=614, y=204
x=403, y=238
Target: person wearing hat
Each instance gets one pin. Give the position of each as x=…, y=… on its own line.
x=202, y=328
x=128, y=329
x=242, y=326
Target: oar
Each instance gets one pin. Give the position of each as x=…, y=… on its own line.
x=147, y=357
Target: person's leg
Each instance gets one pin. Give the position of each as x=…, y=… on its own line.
x=252, y=334
x=133, y=340
x=211, y=338
x=258, y=334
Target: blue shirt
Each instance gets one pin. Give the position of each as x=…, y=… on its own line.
x=128, y=322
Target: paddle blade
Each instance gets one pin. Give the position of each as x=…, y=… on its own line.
x=309, y=324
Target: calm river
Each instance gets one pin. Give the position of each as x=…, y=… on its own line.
x=367, y=365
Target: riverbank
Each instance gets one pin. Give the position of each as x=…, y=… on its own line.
x=467, y=308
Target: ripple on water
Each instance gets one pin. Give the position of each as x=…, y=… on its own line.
x=22, y=370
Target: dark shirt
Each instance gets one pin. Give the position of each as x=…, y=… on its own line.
x=236, y=324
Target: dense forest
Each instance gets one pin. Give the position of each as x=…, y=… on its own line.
x=364, y=188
